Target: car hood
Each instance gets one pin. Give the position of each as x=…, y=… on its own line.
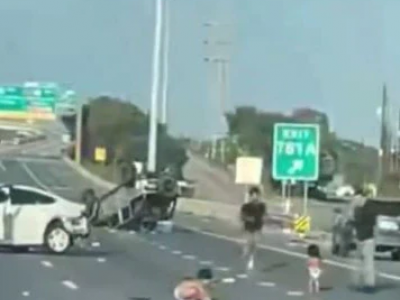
x=68, y=208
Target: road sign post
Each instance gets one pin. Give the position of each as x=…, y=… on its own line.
x=296, y=154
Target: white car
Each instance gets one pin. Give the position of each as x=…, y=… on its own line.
x=35, y=217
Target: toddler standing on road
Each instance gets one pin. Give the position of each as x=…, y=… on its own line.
x=314, y=268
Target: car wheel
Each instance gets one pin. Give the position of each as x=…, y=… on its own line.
x=57, y=239
x=396, y=255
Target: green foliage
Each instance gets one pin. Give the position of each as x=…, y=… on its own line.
x=122, y=128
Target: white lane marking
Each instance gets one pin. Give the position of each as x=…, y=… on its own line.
x=189, y=257
x=223, y=269
x=228, y=280
x=266, y=284
x=26, y=293
x=34, y=177
x=101, y=259
x=290, y=253
x=206, y=262
x=132, y=232
x=177, y=252
x=111, y=230
x=95, y=244
x=70, y=284
x=242, y=276
x=162, y=247
x=46, y=264
x=2, y=167
x=295, y=293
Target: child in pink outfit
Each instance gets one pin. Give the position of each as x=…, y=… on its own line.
x=314, y=267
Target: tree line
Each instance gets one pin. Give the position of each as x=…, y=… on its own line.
x=122, y=129
x=250, y=132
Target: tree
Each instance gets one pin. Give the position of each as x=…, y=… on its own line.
x=122, y=128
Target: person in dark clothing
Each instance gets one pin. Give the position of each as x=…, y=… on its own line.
x=364, y=221
x=252, y=215
x=92, y=205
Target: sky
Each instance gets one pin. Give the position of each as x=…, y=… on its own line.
x=332, y=55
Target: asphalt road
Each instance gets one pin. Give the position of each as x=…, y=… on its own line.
x=124, y=265
x=113, y=265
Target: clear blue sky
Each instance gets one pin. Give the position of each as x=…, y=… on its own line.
x=333, y=55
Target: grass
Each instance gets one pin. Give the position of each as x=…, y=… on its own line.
x=105, y=172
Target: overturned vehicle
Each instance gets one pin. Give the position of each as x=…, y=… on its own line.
x=136, y=203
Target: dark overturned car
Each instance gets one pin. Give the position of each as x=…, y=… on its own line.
x=383, y=217
x=136, y=204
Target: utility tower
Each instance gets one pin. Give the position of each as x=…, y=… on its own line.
x=217, y=45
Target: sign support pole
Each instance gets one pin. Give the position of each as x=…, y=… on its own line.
x=283, y=189
x=305, y=198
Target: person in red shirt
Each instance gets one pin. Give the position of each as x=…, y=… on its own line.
x=314, y=267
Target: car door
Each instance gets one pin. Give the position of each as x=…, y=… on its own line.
x=31, y=211
x=4, y=201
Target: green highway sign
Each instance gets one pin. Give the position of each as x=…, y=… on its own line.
x=295, y=152
x=12, y=99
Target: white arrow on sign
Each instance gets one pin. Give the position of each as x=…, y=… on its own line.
x=297, y=165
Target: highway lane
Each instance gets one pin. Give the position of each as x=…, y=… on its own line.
x=112, y=264
x=278, y=248
x=123, y=265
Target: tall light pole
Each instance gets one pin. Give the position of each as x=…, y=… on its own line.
x=152, y=146
x=164, y=107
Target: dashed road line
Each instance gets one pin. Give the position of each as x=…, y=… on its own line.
x=189, y=257
x=26, y=293
x=162, y=247
x=95, y=244
x=101, y=259
x=295, y=293
x=2, y=167
x=223, y=269
x=266, y=284
x=242, y=276
x=228, y=280
x=206, y=262
x=70, y=284
x=46, y=264
x=177, y=252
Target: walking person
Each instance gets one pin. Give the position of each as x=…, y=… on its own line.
x=252, y=215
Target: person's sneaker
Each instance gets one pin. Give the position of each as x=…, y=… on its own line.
x=250, y=263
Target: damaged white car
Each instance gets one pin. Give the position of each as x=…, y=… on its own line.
x=34, y=217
